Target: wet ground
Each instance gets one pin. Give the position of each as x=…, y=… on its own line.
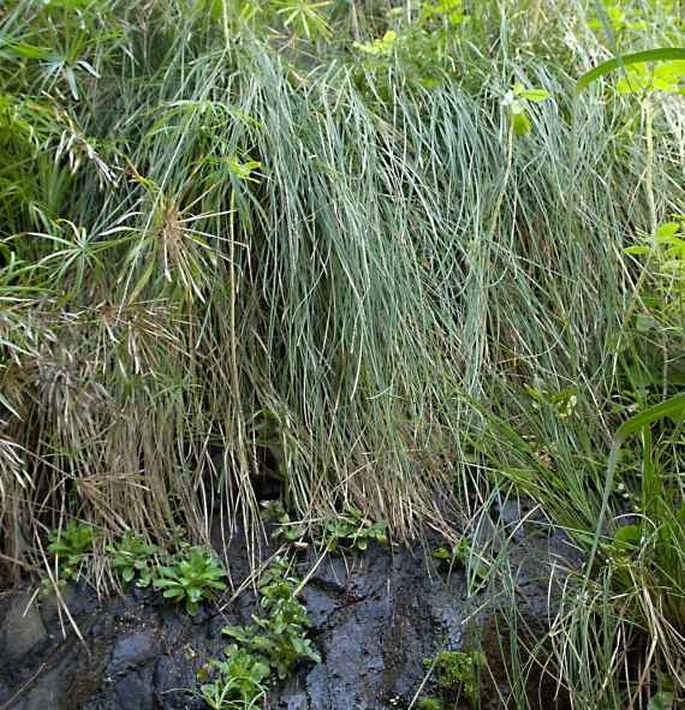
x=375, y=617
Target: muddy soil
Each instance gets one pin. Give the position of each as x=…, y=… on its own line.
x=375, y=618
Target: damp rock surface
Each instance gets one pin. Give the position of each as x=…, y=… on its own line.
x=22, y=628
x=375, y=618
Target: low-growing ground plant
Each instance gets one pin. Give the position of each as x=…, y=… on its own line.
x=265, y=651
x=353, y=530
x=192, y=579
x=135, y=560
x=186, y=574
x=239, y=682
x=457, y=676
x=430, y=702
x=349, y=530
x=70, y=545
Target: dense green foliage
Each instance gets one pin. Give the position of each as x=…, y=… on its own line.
x=181, y=572
x=268, y=649
x=191, y=580
x=391, y=248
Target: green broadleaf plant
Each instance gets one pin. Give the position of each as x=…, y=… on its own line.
x=518, y=100
x=673, y=55
x=192, y=580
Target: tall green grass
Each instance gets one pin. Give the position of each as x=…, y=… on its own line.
x=220, y=248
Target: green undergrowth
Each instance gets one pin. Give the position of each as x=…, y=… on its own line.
x=401, y=258
x=348, y=530
x=457, y=677
x=182, y=573
x=209, y=241
x=264, y=652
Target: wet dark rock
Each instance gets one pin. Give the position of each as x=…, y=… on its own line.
x=297, y=702
x=133, y=651
x=375, y=618
x=134, y=691
x=49, y=606
x=49, y=692
x=174, y=681
x=22, y=628
x=320, y=605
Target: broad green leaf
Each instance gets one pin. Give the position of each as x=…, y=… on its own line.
x=521, y=124
x=667, y=230
x=535, y=95
x=172, y=593
x=637, y=250
x=672, y=408
x=627, y=60
x=629, y=534
x=668, y=77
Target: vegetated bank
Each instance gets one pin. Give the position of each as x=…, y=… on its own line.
x=381, y=255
